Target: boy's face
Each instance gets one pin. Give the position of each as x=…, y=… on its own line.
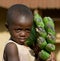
x=20, y=29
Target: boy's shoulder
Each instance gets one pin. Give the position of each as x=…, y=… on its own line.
x=10, y=49
x=10, y=46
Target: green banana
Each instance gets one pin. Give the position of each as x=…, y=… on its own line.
x=50, y=47
x=43, y=55
x=51, y=38
x=41, y=42
x=38, y=20
x=41, y=32
x=49, y=25
x=48, y=20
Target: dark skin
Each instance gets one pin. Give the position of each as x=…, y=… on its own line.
x=20, y=31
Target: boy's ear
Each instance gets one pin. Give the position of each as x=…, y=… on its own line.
x=6, y=25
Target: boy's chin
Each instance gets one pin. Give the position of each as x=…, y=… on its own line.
x=22, y=42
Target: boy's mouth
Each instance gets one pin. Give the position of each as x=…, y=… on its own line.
x=22, y=39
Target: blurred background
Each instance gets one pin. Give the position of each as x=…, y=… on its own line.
x=45, y=7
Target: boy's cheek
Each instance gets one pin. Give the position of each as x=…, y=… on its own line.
x=13, y=34
x=27, y=35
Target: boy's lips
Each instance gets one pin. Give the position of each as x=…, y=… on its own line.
x=22, y=39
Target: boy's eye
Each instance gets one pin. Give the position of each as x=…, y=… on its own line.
x=18, y=30
x=28, y=30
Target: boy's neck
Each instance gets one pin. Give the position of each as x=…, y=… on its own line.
x=20, y=44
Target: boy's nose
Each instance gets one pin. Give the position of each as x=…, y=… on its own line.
x=23, y=33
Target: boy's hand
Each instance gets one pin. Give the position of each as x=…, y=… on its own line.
x=52, y=57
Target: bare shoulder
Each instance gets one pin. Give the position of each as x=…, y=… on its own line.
x=10, y=47
x=10, y=50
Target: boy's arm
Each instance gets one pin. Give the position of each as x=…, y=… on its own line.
x=11, y=52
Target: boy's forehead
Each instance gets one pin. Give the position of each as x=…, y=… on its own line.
x=23, y=19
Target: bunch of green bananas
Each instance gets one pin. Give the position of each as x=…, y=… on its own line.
x=46, y=35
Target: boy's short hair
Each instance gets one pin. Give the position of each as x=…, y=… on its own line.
x=17, y=10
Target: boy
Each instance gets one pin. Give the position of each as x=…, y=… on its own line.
x=19, y=24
